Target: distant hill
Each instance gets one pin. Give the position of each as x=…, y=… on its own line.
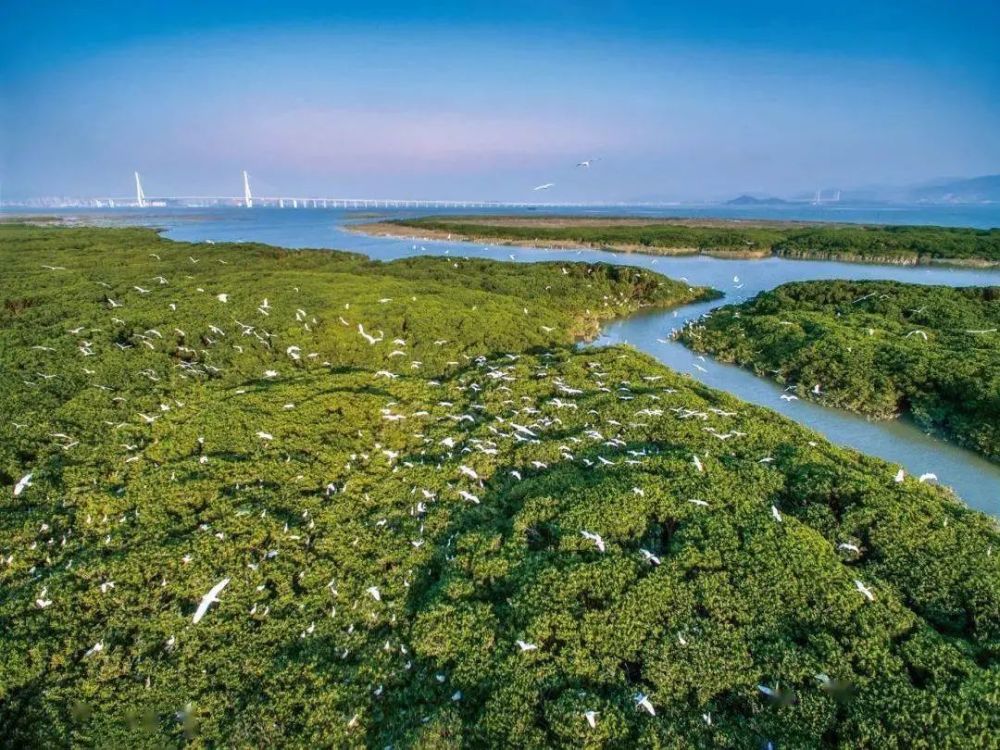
x=964, y=190
x=749, y=200
x=984, y=189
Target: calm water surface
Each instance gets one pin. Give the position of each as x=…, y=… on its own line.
x=976, y=480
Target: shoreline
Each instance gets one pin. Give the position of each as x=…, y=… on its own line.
x=869, y=416
x=402, y=231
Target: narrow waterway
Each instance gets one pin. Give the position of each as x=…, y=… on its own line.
x=975, y=479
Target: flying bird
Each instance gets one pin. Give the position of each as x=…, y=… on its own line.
x=22, y=483
x=546, y=186
x=595, y=538
x=778, y=694
x=867, y=592
x=368, y=337
x=642, y=701
x=206, y=601
x=650, y=557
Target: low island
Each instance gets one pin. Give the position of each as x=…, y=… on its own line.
x=261, y=498
x=906, y=245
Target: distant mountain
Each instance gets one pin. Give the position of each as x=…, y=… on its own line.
x=749, y=200
x=984, y=189
x=961, y=190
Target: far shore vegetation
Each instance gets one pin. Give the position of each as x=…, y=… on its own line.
x=735, y=238
x=881, y=348
x=253, y=497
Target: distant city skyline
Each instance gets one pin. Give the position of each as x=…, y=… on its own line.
x=482, y=101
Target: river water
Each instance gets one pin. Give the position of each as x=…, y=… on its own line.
x=975, y=479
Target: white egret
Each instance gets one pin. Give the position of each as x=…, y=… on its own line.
x=642, y=701
x=650, y=557
x=595, y=538
x=206, y=601
x=368, y=337
x=22, y=483
x=41, y=602
x=867, y=592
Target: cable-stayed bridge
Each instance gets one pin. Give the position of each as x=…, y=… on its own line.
x=249, y=200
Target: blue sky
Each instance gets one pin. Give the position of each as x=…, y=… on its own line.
x=679, y=101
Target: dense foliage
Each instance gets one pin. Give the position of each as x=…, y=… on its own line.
x=877, y=347
x=394, y=517
x=841, y=241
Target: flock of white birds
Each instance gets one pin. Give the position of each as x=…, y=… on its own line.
x=523, y=421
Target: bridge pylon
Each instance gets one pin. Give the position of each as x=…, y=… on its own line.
x=140, y=197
